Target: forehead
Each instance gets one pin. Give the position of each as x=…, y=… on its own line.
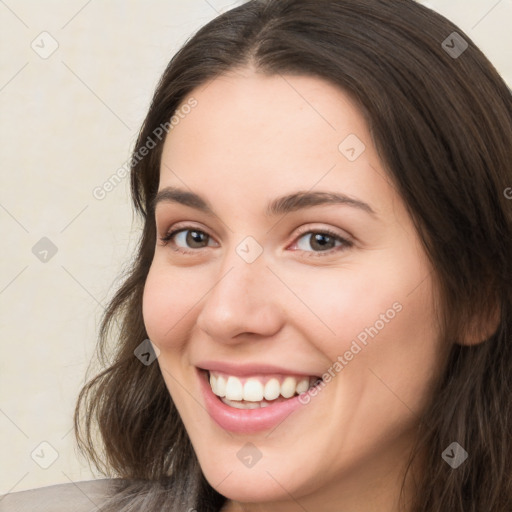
x=249, y=115
x=269, y=135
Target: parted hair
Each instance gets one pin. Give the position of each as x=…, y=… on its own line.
x=442, y=126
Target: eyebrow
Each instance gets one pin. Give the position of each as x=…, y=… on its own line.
x=279, y=206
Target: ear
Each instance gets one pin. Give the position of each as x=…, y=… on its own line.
x=481, y=328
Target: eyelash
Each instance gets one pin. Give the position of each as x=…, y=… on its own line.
x=345, y=243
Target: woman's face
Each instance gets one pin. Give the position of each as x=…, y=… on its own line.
x=275, y=274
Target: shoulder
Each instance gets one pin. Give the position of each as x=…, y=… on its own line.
x=85, y=496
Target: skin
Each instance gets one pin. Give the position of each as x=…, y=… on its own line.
x=250, y=139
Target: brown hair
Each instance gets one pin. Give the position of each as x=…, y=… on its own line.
x=442, y=124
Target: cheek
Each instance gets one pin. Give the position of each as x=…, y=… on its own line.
x=168, y=297
x=380, y=311
x=389, y=341
x=411, y=343
x=344, y=304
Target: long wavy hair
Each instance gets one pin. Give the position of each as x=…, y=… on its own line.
x=441, y=119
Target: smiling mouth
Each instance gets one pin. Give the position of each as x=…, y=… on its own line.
x=258, y=391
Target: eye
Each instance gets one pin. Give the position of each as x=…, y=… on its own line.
x=186, y=239
x=323, y=242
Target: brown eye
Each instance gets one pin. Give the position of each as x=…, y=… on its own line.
x=187, y=238
x=194, y=238
x=317, y=242
x=320, y=241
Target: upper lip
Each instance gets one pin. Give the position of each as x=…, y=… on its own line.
x=246, y=369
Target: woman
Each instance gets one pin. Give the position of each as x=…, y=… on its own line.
x=324, y=272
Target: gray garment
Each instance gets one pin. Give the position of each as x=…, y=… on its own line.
x=84, y=496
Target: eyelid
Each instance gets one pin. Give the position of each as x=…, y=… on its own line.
x=322, y=229
x=346, y=241
x=183, y=226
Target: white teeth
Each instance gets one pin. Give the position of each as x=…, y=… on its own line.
x=272, y=389
x=221, y=386
x=240, y=405
x=218, y=385
x=234, y=390
x=288, y=387
x=254, y=391
x=302, y=385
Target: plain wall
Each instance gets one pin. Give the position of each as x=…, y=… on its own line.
x=68, y=122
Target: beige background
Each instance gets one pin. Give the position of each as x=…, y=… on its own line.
x=67, y=124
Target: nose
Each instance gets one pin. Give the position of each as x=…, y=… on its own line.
x=241, y=302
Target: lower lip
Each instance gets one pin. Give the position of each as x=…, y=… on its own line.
x=245, y=421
